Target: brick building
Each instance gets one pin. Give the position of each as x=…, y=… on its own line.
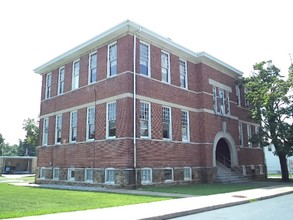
x=130, y=107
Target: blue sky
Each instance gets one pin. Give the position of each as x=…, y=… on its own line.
x=33, y=32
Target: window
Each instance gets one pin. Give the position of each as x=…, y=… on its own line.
x=48, y=85
x=221, y=101
x=165, y=64
x=56, y=173
x=93, y=67
x=166, y=117
x=185, y=125
x=73, y=126
x=88, y=174
x=71, y=174
x=187, y=173
x=144, y=59
x=249, y=135
x=168, y=174
x=146, y=176
x=238, y=95
x=257, y=133
x=43, y=173
x=111, y=120
x=183, y=74
x=240, y=126
x=58, y=129
x=145, y=119
x=90, y=128
x=45, y=131
x=246, y=102
x=75, y=75
x=110, y=175
x=112, y=59
x=61, y=81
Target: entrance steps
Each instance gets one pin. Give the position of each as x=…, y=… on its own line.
x=228, y=175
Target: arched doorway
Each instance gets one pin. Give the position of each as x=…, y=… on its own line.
x=224, y=144
x=223, y=155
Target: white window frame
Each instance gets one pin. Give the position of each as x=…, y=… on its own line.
x=249, y=135
x=88, y=174
x=73, y=126
x=58, y=128
x=167, y=67
x=91, y=112
x=183, y=73
x=170, y=122
x=75, y=75
x=221, y=101
x=241, y=137
x=183, y=126
x=238, y=95
x=110, y=179
x=148, y=60
x=69, y=174
x=112, y=59
x=113, y=118
x=48, y=86
x=187, y=173
x=143, y=118
x=246, y=102
x=45, y=131
x=56, y=173
x=43, y=173
x=172, y=174
x=146, y=176
x=61, y=80
x=91, y=68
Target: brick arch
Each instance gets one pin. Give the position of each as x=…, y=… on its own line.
x=231, y=144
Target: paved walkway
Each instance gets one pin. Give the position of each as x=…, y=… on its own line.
x=167, y=209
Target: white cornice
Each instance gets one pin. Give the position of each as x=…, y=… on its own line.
x=129, y=27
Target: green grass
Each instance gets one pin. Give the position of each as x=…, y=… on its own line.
x=18, y=201
x=204, y=189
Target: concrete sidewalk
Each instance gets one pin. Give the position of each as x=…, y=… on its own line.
x=173, y=208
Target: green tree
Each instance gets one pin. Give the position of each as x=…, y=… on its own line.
x=10, y=150
x=1, y=144
x=29, y=144
x=271, y=105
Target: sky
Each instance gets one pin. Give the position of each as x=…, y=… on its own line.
x=240, y=33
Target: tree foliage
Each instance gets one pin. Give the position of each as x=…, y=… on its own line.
x=271, y=104
x=1, y=144
x=28, y=145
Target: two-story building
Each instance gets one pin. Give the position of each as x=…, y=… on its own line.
x=130, y=107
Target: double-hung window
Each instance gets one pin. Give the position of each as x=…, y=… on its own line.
x=187, y=173
x=246, y=101
x=110, y=175
x=185, y=125
x=168, y=174
x=145, y=122
x=88, y=174
x=75, y=75
x=61, y=80
x=166, y=119
x=58, y=129
x=93, y=67
x=71, y=174
x=144, y=59
x=43, y=173
x=48, y=85
x=90, y=129
x=112, y=59
x=111, y=120
x=249, y=136
x=56, y=173
x=45, y=131
x=240, y=126
x=183, y=74
x=238, y=95
x=73, y=126
x=221, y=101
x=146, y=175
x=165, y=67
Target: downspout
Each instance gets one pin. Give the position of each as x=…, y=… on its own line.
x=134, y=107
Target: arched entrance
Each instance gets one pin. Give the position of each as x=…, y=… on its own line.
x=224, y=145
x=223, y=154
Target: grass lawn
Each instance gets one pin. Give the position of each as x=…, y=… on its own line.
x=205, y=189
x=19, y=201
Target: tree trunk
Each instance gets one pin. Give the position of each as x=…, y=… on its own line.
x=284, y=167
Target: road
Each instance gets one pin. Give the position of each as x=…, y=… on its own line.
x=275, y=208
